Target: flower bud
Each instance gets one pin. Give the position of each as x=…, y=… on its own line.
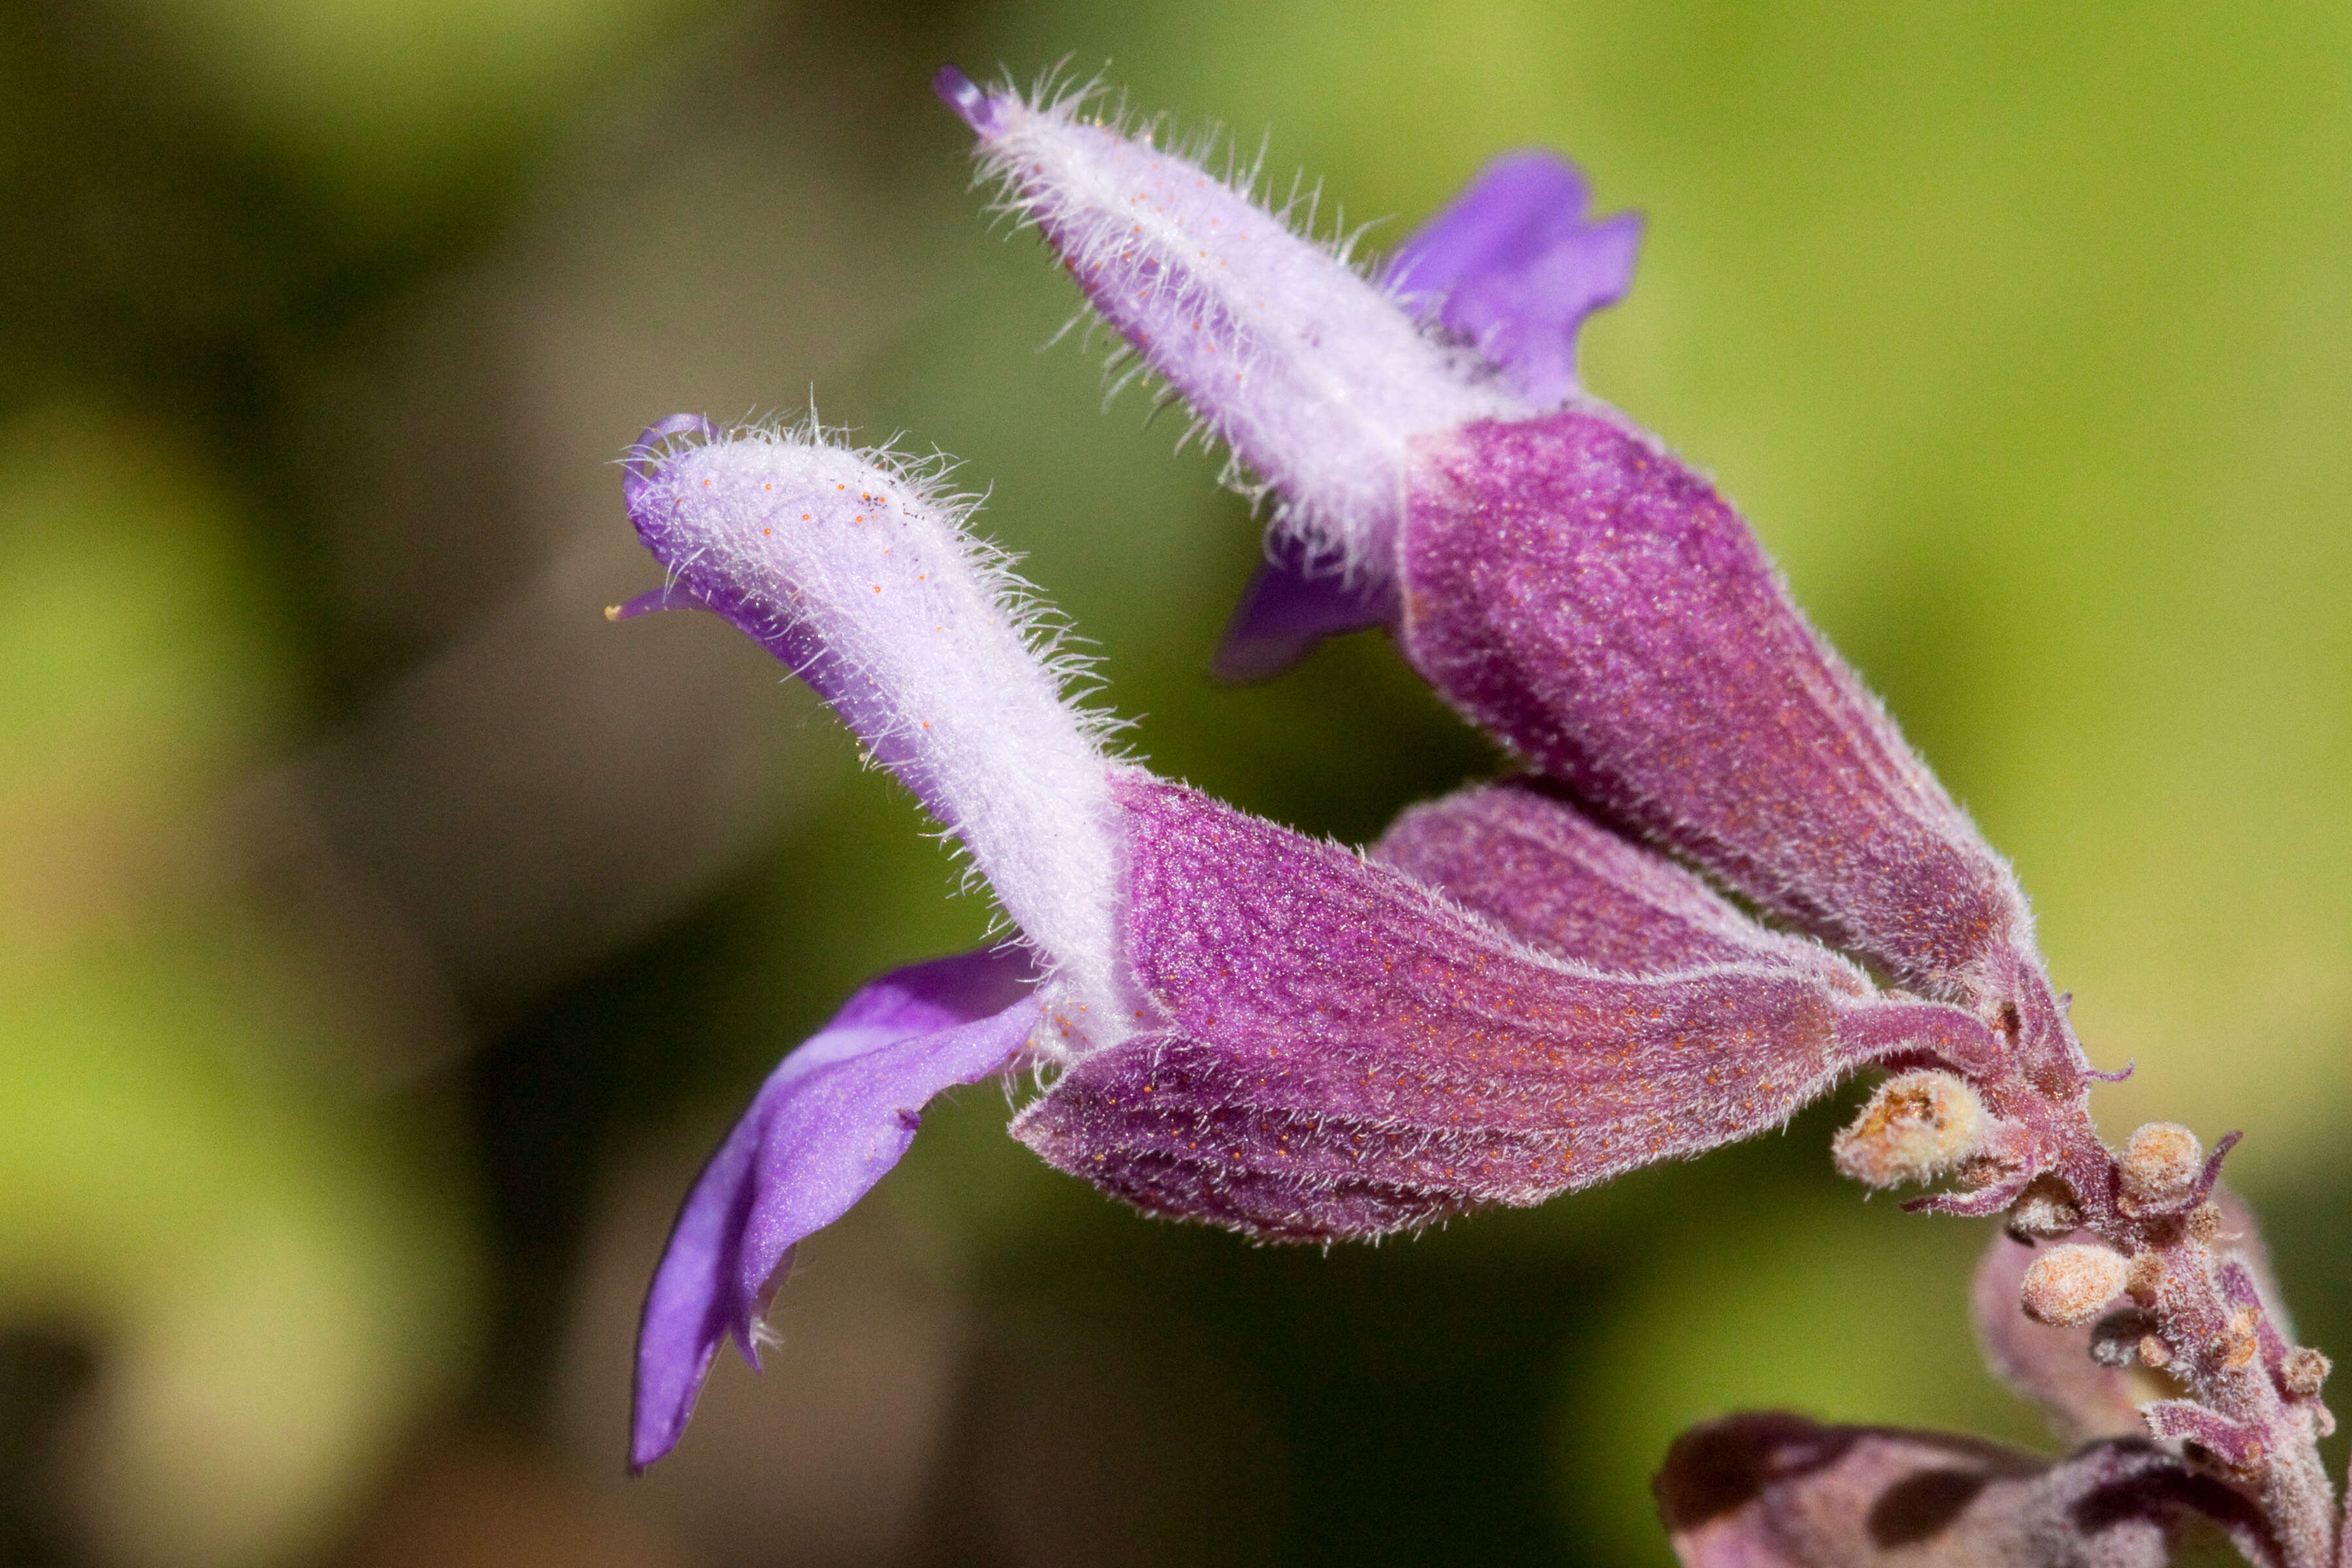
x=2069, y=1285
x=2303, y=1371
x=1917, y=1126
x=2160, y=1165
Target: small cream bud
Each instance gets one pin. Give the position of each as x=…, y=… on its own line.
x=1917, y=1126
x=2234, y=1348
x=2154, y=1353
x=2304, y=1371
x=2068, y=1284
x=2160, y=1165
x=2046, y=1209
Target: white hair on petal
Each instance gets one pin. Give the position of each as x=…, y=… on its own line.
x=1315, y=377
x=949, y=668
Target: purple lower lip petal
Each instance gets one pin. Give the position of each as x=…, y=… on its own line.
x=1289, y=607
x=827, y=1124
x=1512, y=265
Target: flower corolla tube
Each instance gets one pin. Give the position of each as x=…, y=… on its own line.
x=1502, y=1001
x=1523, y=988
x=1520, y=989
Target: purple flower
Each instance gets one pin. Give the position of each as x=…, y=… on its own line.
x=1511, y=267
x=1523, y=988
x=1243, y=1026
x=1564, y=580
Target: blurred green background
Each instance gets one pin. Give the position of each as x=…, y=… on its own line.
x=385, y=938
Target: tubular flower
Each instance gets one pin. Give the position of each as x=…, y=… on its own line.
x=1561, y=577
x=1522, y=988
x=1242, y=1025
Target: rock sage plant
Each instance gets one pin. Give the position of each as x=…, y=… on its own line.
x=1523, y=988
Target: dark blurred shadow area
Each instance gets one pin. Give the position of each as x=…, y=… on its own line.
x=385, y=937
x=323, y=772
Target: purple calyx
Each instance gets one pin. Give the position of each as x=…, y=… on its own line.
x=1575, y=590
x=1346, y=1052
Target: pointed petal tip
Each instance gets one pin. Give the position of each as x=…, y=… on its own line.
x=672, y=1366
x=975, y=108
x=1316, y=377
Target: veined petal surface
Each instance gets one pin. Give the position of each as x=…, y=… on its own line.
x=1342, y=1051
x=1579, y=593
x=1531, y=860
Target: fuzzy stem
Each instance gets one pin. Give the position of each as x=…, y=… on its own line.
x=2223, y=1346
